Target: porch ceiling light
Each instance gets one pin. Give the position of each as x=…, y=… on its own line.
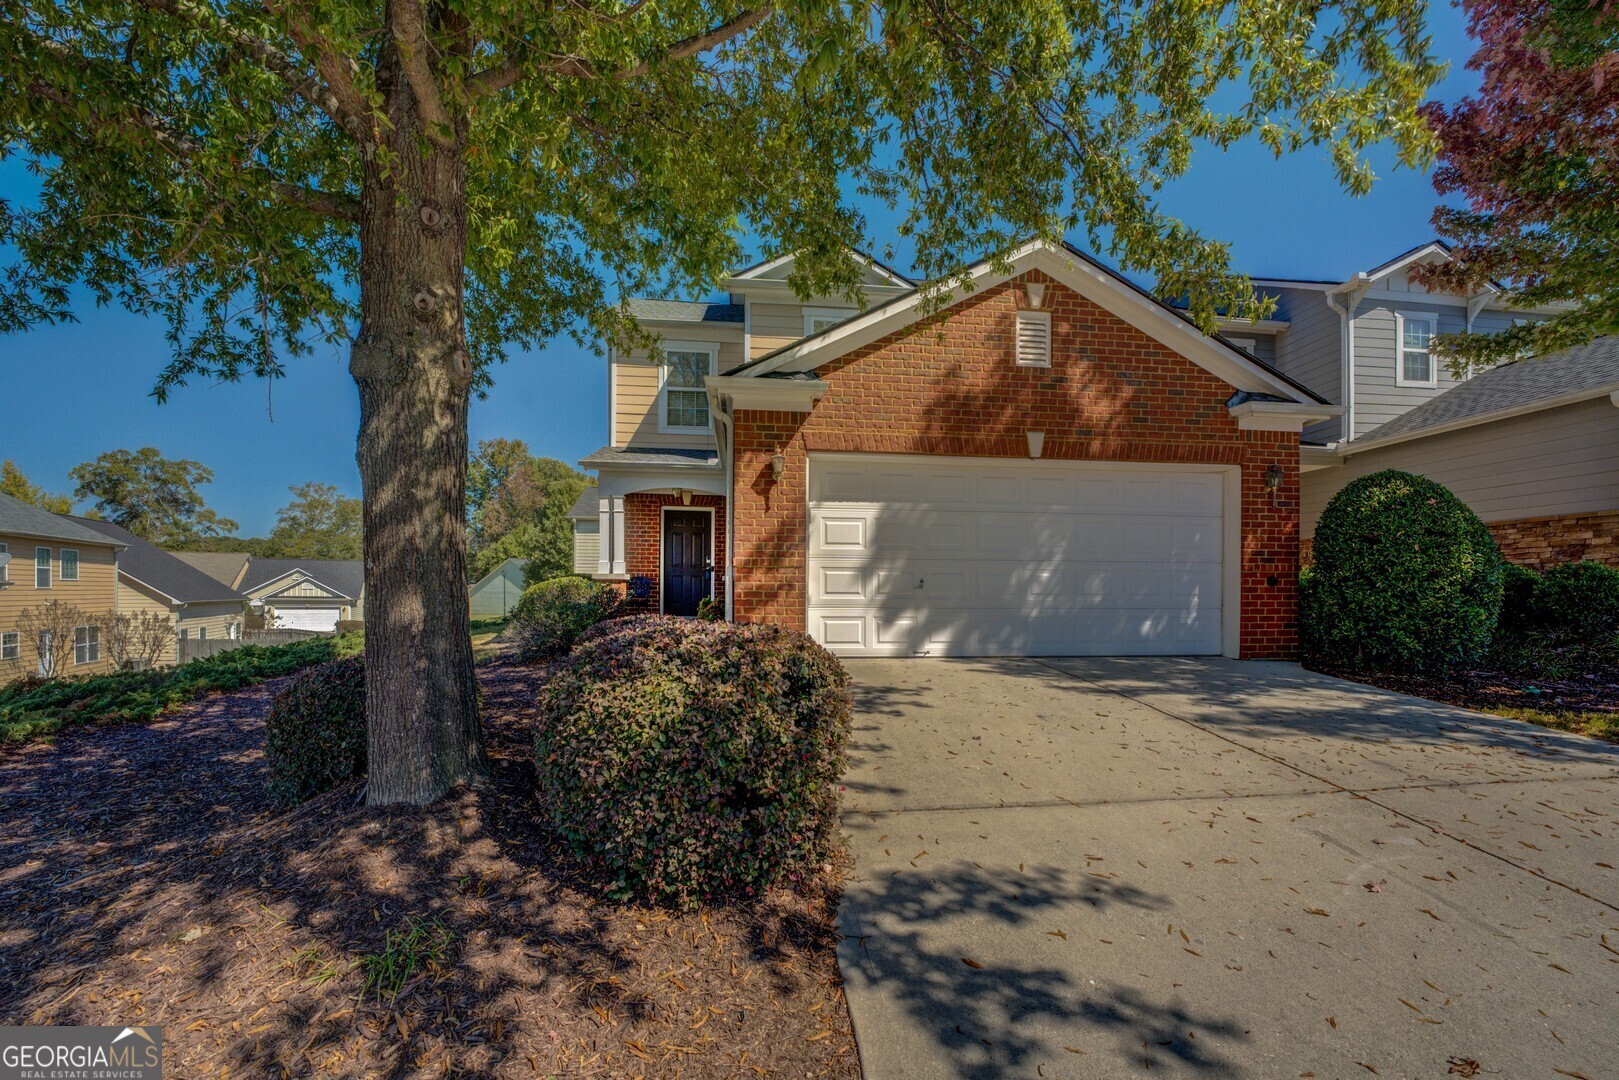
x=1037, y=442
x=778, y=465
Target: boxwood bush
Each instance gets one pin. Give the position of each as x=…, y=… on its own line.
x=1520, y=597
x=550, y=616
x=1580, y=599
x=1406, y=579
x=314, y=736
x=690, y=761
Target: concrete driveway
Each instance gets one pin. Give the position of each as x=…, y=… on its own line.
x=1201, y=867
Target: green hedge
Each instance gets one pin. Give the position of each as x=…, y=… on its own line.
x=1580, y=599
x=32, y=708
x=1406, y=579
x=687, y=761
x=549, y=617
x=314, y=737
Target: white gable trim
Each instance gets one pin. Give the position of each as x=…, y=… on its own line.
x=266, y=589
x=1084, y=277
x=754, y=273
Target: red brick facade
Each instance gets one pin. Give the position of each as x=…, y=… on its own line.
x=1542, y=542
x=643, y=540
x=948, y=386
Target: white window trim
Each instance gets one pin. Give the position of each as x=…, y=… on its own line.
x=813, y=313
x=5, y=568
x=11, y=645
x=713, y=351
x=92, y=640
x=1039, y=316
x=1246, y=343
x=1400, y=317
x=61, y=559
x=47, y=568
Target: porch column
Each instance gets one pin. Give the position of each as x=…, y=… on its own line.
x=604, y=534
x=618, y=535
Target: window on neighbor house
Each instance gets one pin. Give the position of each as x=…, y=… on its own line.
x=685, y=401
x=202, y=633
x=42, y=568
x=1415, y=365
x=70, y=565
x=86, y=644
x=10, y=645
x=5, y=570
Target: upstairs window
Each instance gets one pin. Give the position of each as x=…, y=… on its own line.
x=1415, y=364
x=1033, y=339
x=685, y=401
x=70, y=565
x=818, y=319
x=42, y=568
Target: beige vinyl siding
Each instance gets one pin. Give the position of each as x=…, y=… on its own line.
x=773, y=325
x=96, y=592
x=1557, y=461
x=636, y=384
x=216, y=616
x=1309, y=352
x=587, y=546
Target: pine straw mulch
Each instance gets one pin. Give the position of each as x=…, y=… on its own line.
x=146, y=878
x=1586, y=706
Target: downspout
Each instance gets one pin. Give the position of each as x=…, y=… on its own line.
x=719, y=409
x=1356, y=288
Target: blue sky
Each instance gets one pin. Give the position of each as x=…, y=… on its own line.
x=82, y=389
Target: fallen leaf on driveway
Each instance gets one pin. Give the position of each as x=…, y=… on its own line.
x=1316, y=911
x=1372, y=886
x=1057, y=933
x=1463, y=1067
x=974, y=964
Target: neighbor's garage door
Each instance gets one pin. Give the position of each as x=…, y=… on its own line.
x=968, y=557
x=306, y=618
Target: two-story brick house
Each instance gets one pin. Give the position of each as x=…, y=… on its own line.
x=1053, y=462
x=49, y=557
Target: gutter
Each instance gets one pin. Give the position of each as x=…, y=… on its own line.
x=1356, y=287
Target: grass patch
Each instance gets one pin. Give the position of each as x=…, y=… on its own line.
x=33, y=708
x=417, y=945
x=1598, y=725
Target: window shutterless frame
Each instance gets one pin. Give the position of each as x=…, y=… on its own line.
x=817, y=319
x=682, y=398
x=5, y=570
x=1414, y=360
x=70, y=564
x=42, y=568
x=10, y=645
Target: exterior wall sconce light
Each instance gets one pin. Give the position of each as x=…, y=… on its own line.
x=1036, y=293
x=1273, y=477
x=1037, y=442
x=778, y=465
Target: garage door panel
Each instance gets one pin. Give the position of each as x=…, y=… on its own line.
x=949, y=557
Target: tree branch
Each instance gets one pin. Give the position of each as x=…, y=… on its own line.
x=353, y=111
x=304, y=84
x=494, y=80
x=409, y=24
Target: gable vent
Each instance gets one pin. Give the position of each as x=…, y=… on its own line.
x=1034, y=339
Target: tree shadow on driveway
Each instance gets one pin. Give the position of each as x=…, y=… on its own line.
x=953, y=971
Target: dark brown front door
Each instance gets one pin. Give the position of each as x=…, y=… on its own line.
x=687, y=562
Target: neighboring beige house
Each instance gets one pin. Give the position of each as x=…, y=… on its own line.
x=305, y=594
x=47, y=557
x=225, y=566
x=151, y=579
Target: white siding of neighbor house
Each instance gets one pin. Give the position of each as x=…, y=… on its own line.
x=1543, y=464
x=1310, y=351
x=587, y=544
x=637, y=383
x=495, y=595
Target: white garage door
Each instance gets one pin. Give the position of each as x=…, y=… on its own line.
x=306, y=618
x=917, y=556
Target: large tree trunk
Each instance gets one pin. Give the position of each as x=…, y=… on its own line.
x=410, y=361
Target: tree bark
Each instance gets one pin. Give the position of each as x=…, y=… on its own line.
x=411, y=364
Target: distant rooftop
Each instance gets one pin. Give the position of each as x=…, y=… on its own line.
x=685, y=311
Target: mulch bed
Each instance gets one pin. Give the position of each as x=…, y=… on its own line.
x=1494, y=690
x=146, y=878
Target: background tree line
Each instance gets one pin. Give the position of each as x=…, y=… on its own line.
x=517, y=507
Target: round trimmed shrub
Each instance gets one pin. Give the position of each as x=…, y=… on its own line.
x=1520, y=597
x=314, y=736
x=687, y=761
x=1581, y=599
x=549, y=617
x=1406, y=578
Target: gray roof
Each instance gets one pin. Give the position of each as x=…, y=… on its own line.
x=685, y=311
x=158, y=569
x=224, y=566
x=585, y=506
x=622, y=455
x=1588, y=368
x=347, y=576
x=25, y=519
